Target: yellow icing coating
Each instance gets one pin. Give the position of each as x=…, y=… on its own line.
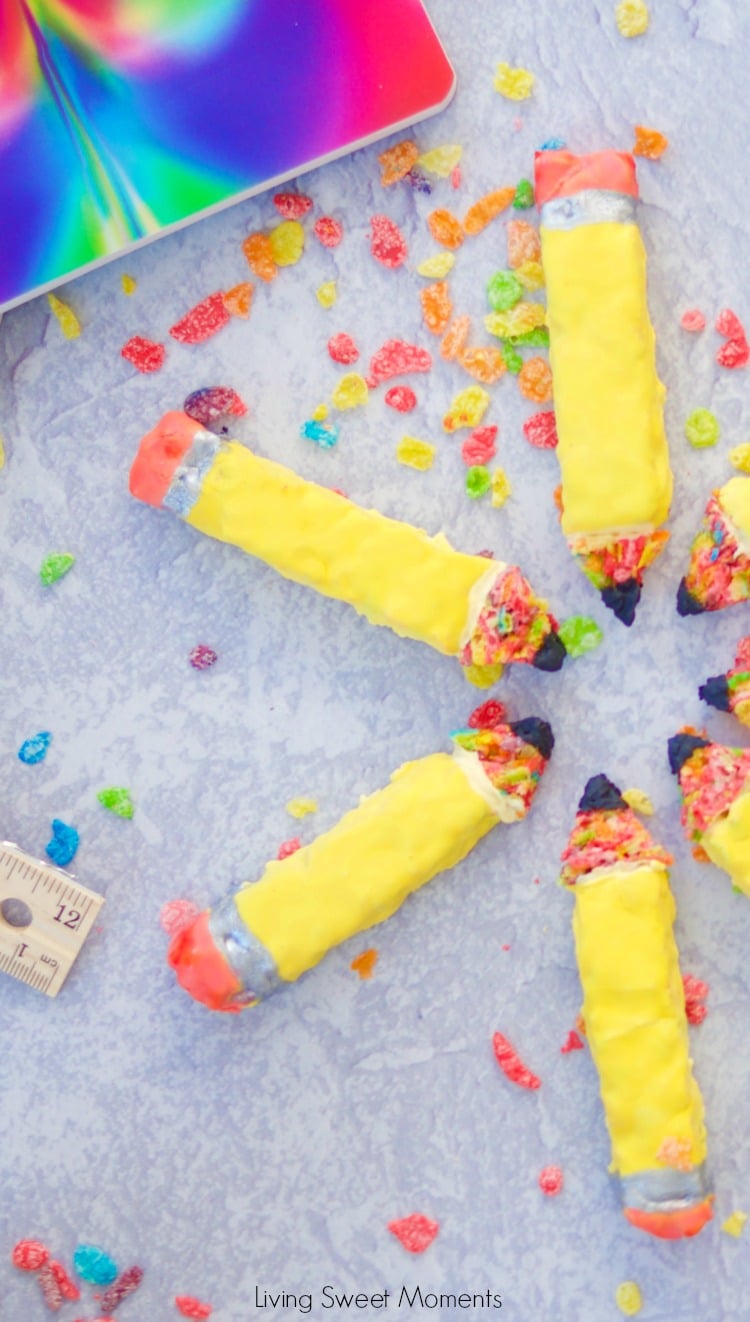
x=608, y=399
x=359, y=873
x=634, y=1009
x=727, y=842
x=392, y=573
x=734, y=498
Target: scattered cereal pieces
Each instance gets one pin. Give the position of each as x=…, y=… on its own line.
x=415, y=453
x=696, y=992
x=69, y=323
x=287, y=242
x=342, y=348
x=483, y=362
x=693, y=320
x=34, y=750
x=739, y=457
x=350, y=391
x=397, y=358
x=238, y=299
x=397, y=161
x=524, y=244
x=63, y=846
x=631, y=17
x=734, y=1224
x=364, y=964
x=387, y=244
x=326, y=293
x=524, y=197
x=301, y=807
x=467, y=409
x=289, y=847
x=202, y=657
x=145, y=355
x=628, y=1298
x=511, y=1064
x=438, y=266
x=441, y=161
x=504, y=290
x=572, y=1043
x=125, y=1285
x=514, y=84
x=540, y=430
x=202, y=321
x=479, y=446
x=482, y=212
x=191, y=1307
x=501, y=488
x=292, y=206
x=328, y=231
x=487, y=715
x=54, y=567
x=649, y=143
x=437, y=307
x=415, y=1232
x=129, y=285
x=535, y=380
x=551, y=1181
x=325, y=434
x=212, y=403
x=94, y=1265
x=478, y=481
x=176, y=915
x=259, y=254
x=639, y=801
x=455, y=337
x=516, y=321
x=445, y=228
x=401, y=398
x=117, y=799
x=702, y=429
x=29, y=1255
x=50, y=1287
x=580, y=634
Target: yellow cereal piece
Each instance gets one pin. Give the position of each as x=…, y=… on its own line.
x=438, y=266
x=129, y=285
x=2, y=453
x=287, y=242
x=327, y=294
x=515, y=84
x=639, y=801
x=628, y=1298
x=320, y=413
x=530, y=275
x=441, y=160
x=734, y=1224
x=483, y=677
x=350, y=392
x=632, y=17
x=415, y=453
x=516, y=321
x=500, y=488
x=467, y=408
x=739, y=457
x=301, y=807
x=69, y=323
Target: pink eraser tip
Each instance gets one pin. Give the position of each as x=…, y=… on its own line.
x=159, y=455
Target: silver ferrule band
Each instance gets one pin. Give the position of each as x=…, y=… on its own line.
x=592, y=206
x=665, y=1189
x=245, y=954
x=185, y=487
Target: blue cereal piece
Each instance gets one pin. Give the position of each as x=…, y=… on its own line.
x=553, y=144
x=325, y=434
x=34, y=750
x=92, y=1264
x=64, y=843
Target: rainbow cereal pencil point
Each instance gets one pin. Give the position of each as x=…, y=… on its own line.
x=731, y=692
x=719, y=569
x=715, y=790
x=481, y=611
x=612, y=448
x=427, y=819
x=634, y=1011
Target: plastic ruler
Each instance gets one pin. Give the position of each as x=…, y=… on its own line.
x=45, y=917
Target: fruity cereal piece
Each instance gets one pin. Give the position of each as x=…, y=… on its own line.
x=524, y=195
x=289, y=847
x=63, y=845
x=438, y=266
x=212, y=403
x=445, y=228
x=396, y=358
x=524, y=244
x=55, y=567
x=702, y=429
x=68, y=1289
x=483, y=211
x=693, y=320
x=535, y=380
x=129, y=285
x=387, y=244
x=287, y=242
x=479, y=447
x=488, y=715
x=292, y=206
x=484, y=363
x=628, y=1298
x=531, y=276
x=415, y=1232
x=441, y=161
x=125, y=1285
x=735, y=353
x=551, y=1180
x=739, y=457
x=514, y=84
x=29, y=1255
x=734, y=1224
x=467, y=409
x=414, y=453
x=324, y=434
x=511, y=1064
x=50, y=1287
x=237, y=300
x=540, y=430
x=504, y=290
x=34, y=750
x=192, y=1307
x=326, y=293
x=516, y=321
x=259, y=254
x=500, y=487
x=455, y=337
x=202, y=657
x=145, y=355
x=116, y=799
x=301, y=807
x=581, y=634
x=202, y=321
x=396, y=162
x=649, y=143
x=437, y=307
x=342, y=348
x=328, y=231
x=478, y=481
x=350, y=392
x=69, y=323
x=401, y=398
x=632, y=18
x=364, y=964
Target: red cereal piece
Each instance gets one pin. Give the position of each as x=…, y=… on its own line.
x=68, y=1288
x=479, y=446
x=484, y=363
x=387, y=243
x=445, y=228
x=511, y=1064
x=364, y=964
x=571, y=1043
x=695, y=996
x=202, y=321
x=455, y=337
x=524, y=244
x=292, y=206
x=415, y=1232
x=291, y=846
x=328, y=231
x=191, y=1307
x=146, y=355
x=29, y=1255
x=693, y=320
x=728, y=324
x=50, y=1287
x=176, y=915
x=437, y=307
x=734, y=353
x=126, y=1284
x=535, y=380
x=237, y=300
x=342, y=348
x=396, y=358
x=397, y=161
x=551, y=1180
x=202, y=657
x=540, y=430
x=401, y=398
x=488, y=715
x=259, y=253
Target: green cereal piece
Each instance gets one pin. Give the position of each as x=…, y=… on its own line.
x=478, y=481
x=702, y=429
x=504, y=290
x=513, y=360
x=117, y=800
x=54, y=567
x=580, y=634
x=537, y=338
x=524, y=197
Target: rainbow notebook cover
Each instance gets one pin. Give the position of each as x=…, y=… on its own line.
x=121, y=119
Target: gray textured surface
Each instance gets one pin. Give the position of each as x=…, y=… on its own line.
x=272, y=1149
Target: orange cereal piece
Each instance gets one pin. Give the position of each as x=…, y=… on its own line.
x=445, y=228
x=437, y=307
x=365, y=963
x=482, y=212
x=484, y=363
x=649, y=143
x=523, y=244
x=259, y=253
x=397, y=161
x=238, y=299
x=535, y=380
x=455, y=337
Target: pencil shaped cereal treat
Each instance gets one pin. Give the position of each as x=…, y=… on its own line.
x=731, y=692
x=616, y=479
x=482, y=611
x=634, y=1012
x=715, y=791
x=719, y=570
x=427, y=818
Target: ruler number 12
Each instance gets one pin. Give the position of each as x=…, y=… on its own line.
x=72, y=921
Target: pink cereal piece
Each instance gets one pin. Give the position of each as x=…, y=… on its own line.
x=189, y=1306
x=291, y=846
x=479, y=446
x=328, y=231
x=202, y=657
x=29, y=1255
x=397, y=358
x=572, y=1043
x=176, y=915
x=202, y=321
x=292, y=206
x=342, y=348
x=145, y=355
x=456, y=176
x=540, y=430
x=696, y=992
x=734, y=353
x=728, y=324
x=415, y=1232
x=387, y=243
x=693, y=320
x=551, y=1180
x=401, y=398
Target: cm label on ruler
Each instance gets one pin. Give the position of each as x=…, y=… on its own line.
x=45, y=917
